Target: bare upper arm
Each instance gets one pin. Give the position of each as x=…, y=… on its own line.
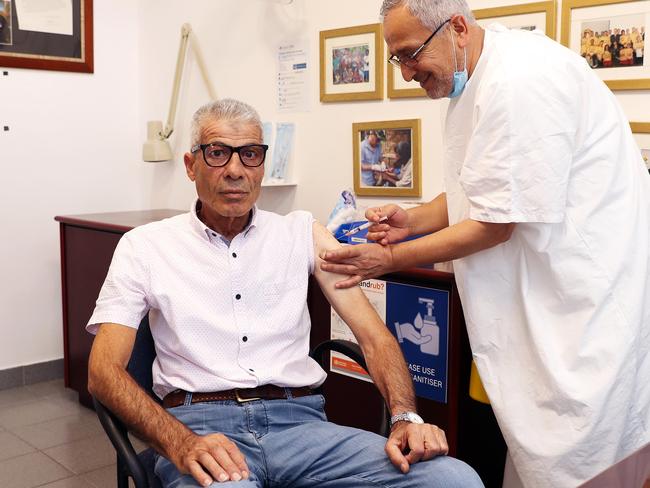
x=112, y=346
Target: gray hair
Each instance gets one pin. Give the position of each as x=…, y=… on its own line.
x=430, y=13
x=225, y=109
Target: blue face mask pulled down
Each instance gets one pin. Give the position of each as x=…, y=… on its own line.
x=460, y=77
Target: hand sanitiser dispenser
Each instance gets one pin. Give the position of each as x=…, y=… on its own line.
x=430, y=328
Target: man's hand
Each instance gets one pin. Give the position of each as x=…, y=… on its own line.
x=409, y=443
x=360, y=262
x=209, y=458
x=395, y=229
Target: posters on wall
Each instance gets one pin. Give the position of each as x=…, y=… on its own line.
x=418, y=317
x=293, y=77
x=280, y=139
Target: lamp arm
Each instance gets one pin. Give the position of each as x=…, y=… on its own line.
x=194, y=43
x=180, y=61
x=186, y=33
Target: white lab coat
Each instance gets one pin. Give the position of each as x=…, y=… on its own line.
x=559, y=315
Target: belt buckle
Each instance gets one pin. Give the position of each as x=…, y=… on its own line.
x=240, y=399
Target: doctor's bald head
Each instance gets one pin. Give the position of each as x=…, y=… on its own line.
x=430, y=13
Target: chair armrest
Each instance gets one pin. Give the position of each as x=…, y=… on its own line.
x=321, y=355
x=117, y=434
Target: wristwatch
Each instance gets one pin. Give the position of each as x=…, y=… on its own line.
x=412, y=417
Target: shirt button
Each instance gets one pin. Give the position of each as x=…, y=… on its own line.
x=244, y=338
x=251, y=370
x=234, y=255
x=237, y=296
x=214, y=235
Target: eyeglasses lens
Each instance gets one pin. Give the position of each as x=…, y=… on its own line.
x=219, y=155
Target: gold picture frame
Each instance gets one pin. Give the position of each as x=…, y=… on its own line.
x=396, y=87
x=640, y=127
x=396, y=169
x=352, y=64
x=568, y=38
x=548, y=8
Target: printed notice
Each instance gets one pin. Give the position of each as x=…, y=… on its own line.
x=418, y=317
x=293, y=77
x=49, y=16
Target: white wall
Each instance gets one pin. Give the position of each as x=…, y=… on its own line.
x=73, y=148
x=239, y=42
x=75, y=141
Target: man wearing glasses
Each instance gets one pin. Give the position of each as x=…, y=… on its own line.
x=546, y=216
x=225, y=286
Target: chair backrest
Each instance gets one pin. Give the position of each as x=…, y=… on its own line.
x=142, y=356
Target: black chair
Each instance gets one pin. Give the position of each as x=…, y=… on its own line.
x=140, y=466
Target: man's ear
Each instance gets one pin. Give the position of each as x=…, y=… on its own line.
x=189, y=160
x=461, y=27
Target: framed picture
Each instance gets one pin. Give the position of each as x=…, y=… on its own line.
x=610, y=35
x=528, y=16
x=398, y=88
x=641, y=131
x=352, y=64
x=387, y=160
x=52, y=35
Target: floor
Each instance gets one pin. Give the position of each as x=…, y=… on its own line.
x=47, y=439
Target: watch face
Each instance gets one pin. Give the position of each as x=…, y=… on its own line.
x=414, y=418
x=407, y=417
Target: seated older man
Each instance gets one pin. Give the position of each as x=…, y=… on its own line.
x=225, y=287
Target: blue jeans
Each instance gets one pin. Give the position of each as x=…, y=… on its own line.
x=290, y=443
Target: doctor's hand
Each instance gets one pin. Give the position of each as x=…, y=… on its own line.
x=360, y=262
x=210, y=458
x=409, y=443
x=395, y=229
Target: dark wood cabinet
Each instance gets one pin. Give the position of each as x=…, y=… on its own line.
x=87, y=246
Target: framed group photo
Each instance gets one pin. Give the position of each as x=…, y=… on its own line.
x=51, y=35
x=610, y=35
x=352, y=64
x=641, y=131
x=387, y=158
x=539, y=16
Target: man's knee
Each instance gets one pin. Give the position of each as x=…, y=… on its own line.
x=446, y=471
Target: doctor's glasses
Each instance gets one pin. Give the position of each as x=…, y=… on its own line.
x=411, y=60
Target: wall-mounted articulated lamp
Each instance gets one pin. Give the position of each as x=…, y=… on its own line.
x=157, y=148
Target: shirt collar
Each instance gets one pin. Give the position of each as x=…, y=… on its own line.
x=205, y=231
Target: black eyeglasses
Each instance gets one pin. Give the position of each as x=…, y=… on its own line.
x=217, y=154
x=410, y=60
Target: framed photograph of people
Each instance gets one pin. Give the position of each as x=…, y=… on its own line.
x=52, y=35
x=610, y=35
x=387, y=159
x=539, y=16
x=641, y=131
x=352, y=64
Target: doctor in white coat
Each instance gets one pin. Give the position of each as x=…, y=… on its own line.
x=546, y=216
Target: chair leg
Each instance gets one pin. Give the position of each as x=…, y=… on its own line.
x=122, y=478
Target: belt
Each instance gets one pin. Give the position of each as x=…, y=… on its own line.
x=241, y=395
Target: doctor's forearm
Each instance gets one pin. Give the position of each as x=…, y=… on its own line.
x=459, y=240
x=430, y=217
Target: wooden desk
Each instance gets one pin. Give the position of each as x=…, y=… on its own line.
x=87, y=246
